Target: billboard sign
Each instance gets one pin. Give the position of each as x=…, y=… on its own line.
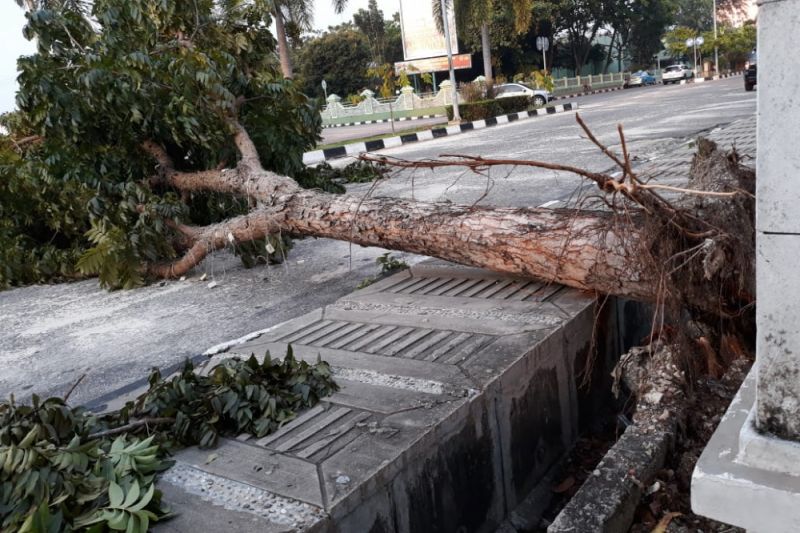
x=433, y=64
x=421, y=39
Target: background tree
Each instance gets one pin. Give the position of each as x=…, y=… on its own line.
x=619, y=15
x=370, y=22
x=580, y=20
x=735, y=44
x=649, y=22
x=699, y=14
x=393, y=51
x=474, y=16
x=341, y=58
x=694, y=14
x=675, y=41
x=298, y=13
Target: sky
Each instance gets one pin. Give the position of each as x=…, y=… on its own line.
x=13, y=44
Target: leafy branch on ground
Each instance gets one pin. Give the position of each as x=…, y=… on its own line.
x=67, y=469
x=389, y=265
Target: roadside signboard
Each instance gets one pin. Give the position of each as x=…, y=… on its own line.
x=542, y=44
x=433, y=64
x=421, y=38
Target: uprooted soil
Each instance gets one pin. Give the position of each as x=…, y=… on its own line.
x=671, y=491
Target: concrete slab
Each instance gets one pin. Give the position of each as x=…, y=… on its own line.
x=458, y=392
x=726, y=488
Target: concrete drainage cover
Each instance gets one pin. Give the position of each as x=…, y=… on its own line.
x=386, y=380
x=236, y=496
x=449, y=377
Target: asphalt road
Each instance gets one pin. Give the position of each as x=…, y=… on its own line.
x=51, y=335
x=655, y=120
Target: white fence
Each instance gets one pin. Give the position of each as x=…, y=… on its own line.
x=596, y=81
x=408, y=100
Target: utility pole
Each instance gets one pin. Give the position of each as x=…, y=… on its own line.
x=446, y=25
x=716, y=48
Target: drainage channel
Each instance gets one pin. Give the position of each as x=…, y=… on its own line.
x=460, y=389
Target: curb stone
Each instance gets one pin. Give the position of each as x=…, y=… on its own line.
x=318, y=156
x=587, y=93
x=682, y=82
x=381, y=121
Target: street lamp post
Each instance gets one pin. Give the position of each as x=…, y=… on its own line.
x=694, y=43
x=716, y=48
x=446, y=25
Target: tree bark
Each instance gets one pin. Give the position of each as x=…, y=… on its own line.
x=610, y=53
x=589, y=250
x=486, y=46
x=283, y=44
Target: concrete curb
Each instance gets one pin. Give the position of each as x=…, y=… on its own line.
x=318, y=156
x=381, y=121
x=607, y=501
x=587, y=93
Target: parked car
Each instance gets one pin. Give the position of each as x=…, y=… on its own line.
x=676, y=73
x=508, y=90
x=638, y=79
x=750, y=74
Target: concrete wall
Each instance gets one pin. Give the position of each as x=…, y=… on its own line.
x=778, y=223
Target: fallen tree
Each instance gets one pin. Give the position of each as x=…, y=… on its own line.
x=186, y=139
x=640, y=247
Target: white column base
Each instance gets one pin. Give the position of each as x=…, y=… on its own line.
x=745, y=478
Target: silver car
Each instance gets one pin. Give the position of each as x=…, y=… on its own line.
x=508, y=90
x=676, y=73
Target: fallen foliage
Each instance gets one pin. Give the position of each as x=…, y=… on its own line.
x=68, y=469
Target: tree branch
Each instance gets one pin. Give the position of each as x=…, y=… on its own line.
x=133, y=426
x=246, y=228
x=246, y=146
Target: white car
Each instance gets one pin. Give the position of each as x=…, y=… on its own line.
x=676, y=73
x=509, y=90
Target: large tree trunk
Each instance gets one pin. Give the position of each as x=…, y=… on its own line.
x=283, y=44
x=631, y=256
x=486, y=46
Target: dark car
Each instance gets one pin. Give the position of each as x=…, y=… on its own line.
x=750, y=75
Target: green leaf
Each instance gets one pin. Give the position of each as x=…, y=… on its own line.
x=115, y=495
x=145, y=499
x=132, y=496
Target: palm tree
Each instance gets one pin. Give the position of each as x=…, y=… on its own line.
x=299, y=12
x=478, y=14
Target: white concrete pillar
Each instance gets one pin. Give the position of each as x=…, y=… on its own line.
x=406, y=99
x=334, y=106
x=445, y=87
x=749, y=474
x=778, y=219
